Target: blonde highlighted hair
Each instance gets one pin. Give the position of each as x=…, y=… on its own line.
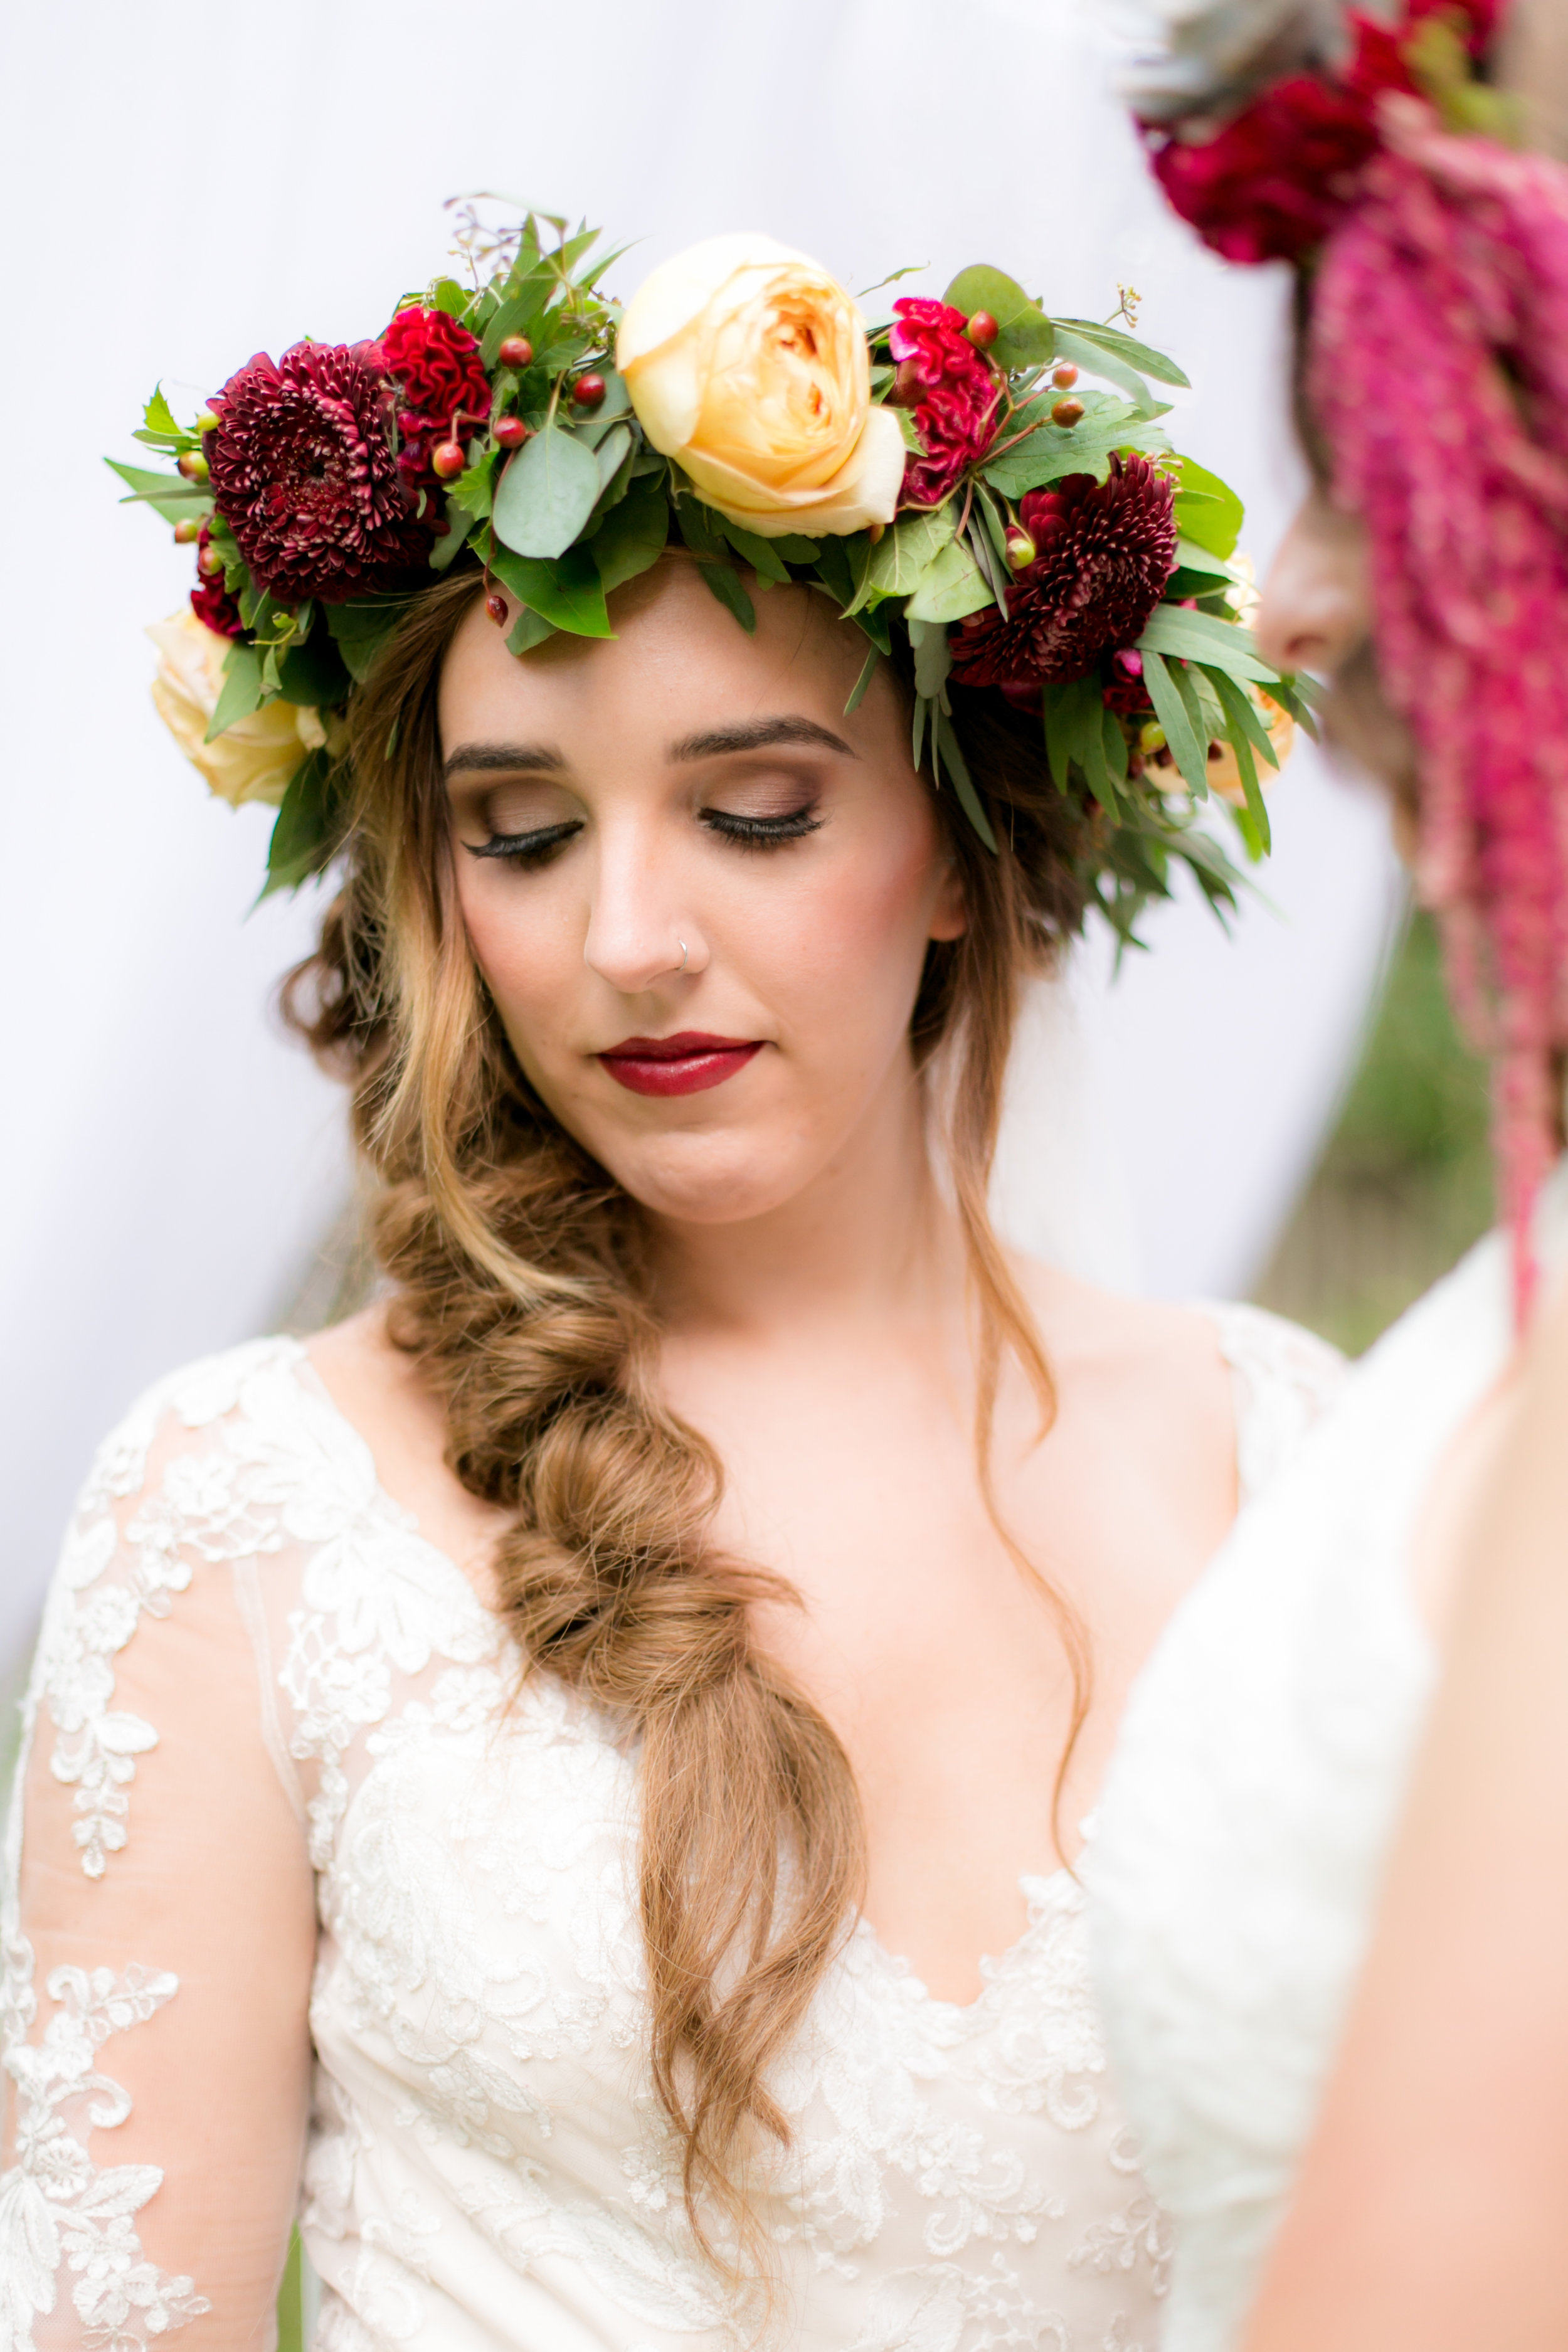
x=521, y=1289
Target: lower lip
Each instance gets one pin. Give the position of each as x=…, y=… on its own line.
x=684, y=1074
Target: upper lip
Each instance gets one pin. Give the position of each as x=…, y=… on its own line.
x=685, y=1042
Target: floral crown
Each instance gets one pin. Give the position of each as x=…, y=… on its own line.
x=941, y=473
x=1261, y=115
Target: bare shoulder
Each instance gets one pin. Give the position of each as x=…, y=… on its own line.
x=1094, y=1334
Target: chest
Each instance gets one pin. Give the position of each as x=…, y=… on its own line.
x=481, y=2019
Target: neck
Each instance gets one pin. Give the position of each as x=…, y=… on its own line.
x=869, y=1239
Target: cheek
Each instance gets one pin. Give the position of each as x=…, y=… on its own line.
x=527, y=942
x=846, y=942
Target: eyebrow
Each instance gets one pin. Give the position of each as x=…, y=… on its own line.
x=715, y=743
x=509, y=758
x=759, y=735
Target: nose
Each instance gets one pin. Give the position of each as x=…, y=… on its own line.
x=1316, y=606
x=639, y=930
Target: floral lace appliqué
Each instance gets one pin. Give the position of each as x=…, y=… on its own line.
x=57, y=2207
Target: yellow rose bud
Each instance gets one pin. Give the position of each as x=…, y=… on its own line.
x=746, y=364
x=255, y=758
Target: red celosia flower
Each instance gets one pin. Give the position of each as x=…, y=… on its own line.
x=304, y=475
x=442, y=393
x=1273, y=182
x=1106, y=551
x=952, y=392
x=210, y=600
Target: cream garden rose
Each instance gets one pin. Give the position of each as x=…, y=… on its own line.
x=746, y=364
x=255, y=758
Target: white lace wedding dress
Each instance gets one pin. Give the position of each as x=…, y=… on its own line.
x=1255, y=1790
x=485, y=2165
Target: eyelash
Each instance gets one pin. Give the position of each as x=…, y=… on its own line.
x=762, y=832
x=526, y=850
x=531, y=850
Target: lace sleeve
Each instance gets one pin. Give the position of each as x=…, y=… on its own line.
x=158, y=1929
x=1285, y=1377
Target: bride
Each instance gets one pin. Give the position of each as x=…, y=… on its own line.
x=524, y=1780
x=1252, y=1809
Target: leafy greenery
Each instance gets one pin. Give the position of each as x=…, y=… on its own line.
x=573, y=502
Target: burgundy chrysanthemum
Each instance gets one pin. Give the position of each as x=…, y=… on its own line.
x=304, y=474
x=210, y=600
x=1271, y=184
x=442, y=393
x=952, y=392
x=1104, y=553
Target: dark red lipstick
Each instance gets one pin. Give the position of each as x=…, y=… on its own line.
x=682, y=1064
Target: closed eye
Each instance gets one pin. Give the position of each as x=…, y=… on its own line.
x=762, y=832
x=526, y=849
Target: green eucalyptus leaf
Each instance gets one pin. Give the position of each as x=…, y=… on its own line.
x=314, y=673
x=1025, y=337
x=951, y=586
x=834, y=571
x=1127, y=348
x=760, y=554
x=1052, y=451
x=908, y=547
x=1085, y=355
x=934, y=658
x=726, y=583
x=875, y=623
x=613, y=409
x=1190, y=755
x=611, y=453
x=1191, y=557
x=308, y=828
x=1237, y=707
x=1071, y=713
x=529, y=630
x=1198, y=636
x=521, y=313
x=446, y=551
x=632, y=535
x=1298, y=695
x=242, y=691
x=1091, y=755
x=360, y=630
x=1116, y=753
x=947, y=753
x=1207, y=509
x=546, y=495
x=1241, y=711
x=565, y=590
x=857, y=693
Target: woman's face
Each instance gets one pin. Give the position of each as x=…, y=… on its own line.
x=700, y=895
x=1315, y=612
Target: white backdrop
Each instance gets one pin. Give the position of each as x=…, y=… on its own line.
x=180, y=194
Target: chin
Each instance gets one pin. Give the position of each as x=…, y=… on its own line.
x=711, y=1180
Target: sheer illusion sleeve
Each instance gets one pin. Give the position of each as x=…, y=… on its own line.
x=158, y=1927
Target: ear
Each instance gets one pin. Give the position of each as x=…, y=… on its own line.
x=950, y=913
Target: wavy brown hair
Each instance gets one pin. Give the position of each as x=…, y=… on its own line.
x=522, y=1289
